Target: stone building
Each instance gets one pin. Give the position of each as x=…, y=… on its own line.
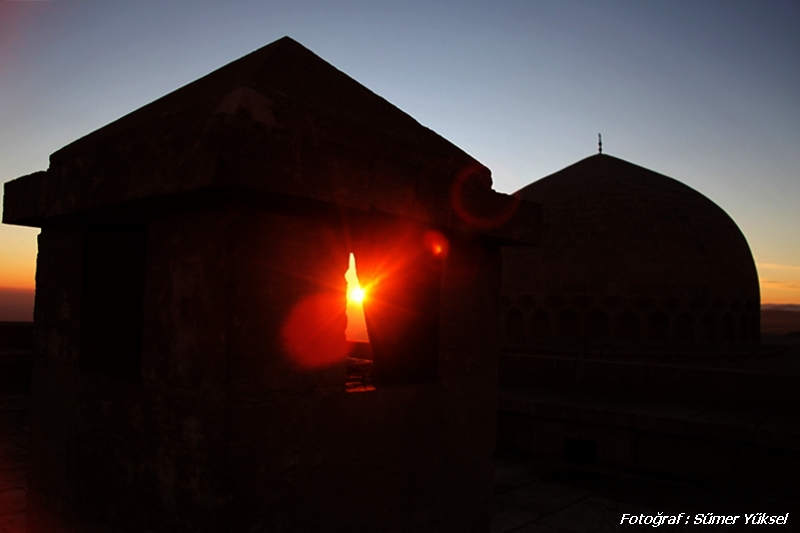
x=192, y=371
x=629, y=258
x=631, y=335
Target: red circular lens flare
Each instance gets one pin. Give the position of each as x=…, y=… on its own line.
x=436, y=244
x=476, y=203
x=314, y=332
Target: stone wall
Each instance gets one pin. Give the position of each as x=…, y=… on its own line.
x=224, y=423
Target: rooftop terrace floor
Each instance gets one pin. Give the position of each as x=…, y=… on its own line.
x=531, y=495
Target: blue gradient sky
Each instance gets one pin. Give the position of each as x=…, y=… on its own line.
x=706, y=92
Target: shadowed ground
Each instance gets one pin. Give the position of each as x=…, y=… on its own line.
x=538, y=496
x=531, y=496
x=13, y=444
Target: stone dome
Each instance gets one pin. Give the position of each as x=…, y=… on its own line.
x=629, y=257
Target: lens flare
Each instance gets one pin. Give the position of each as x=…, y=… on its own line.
x=476, y=203
x=356, y=295
x=314, y=332
x=436, y=244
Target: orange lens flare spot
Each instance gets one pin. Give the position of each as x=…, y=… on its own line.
x=437, y=244
x=356, y=295
x=313, y=333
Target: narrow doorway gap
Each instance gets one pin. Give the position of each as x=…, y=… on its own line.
x=359, y=362
x=356, y=326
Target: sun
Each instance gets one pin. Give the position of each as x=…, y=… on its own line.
x=356, y=294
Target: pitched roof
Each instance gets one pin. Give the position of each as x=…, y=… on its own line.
x=280, y=120
x=282, y=84
x=599, y=172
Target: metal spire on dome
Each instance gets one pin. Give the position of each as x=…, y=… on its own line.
x=599, y=144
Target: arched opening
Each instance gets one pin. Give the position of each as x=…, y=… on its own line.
x=526, y=302
x=399, y=265
x=597, y=326
x=540, y=325
x=708, y=329
x=359, y=361
x=684, y=328
x=568, y=325
x=728, y=328
x=515, y=326
x=112, y=296
x=658, y=327
x=627, y=327
x=744, y=328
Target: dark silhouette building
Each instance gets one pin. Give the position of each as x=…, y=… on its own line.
x=630, y=258
x=631, y=335
x=191, y=371
x=190, y=312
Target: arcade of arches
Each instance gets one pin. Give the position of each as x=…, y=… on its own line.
x=643, y=321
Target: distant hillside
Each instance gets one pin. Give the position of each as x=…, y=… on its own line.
x=16, y=305
x=780, y=319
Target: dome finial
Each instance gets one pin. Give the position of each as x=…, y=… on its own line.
x=599, y=144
